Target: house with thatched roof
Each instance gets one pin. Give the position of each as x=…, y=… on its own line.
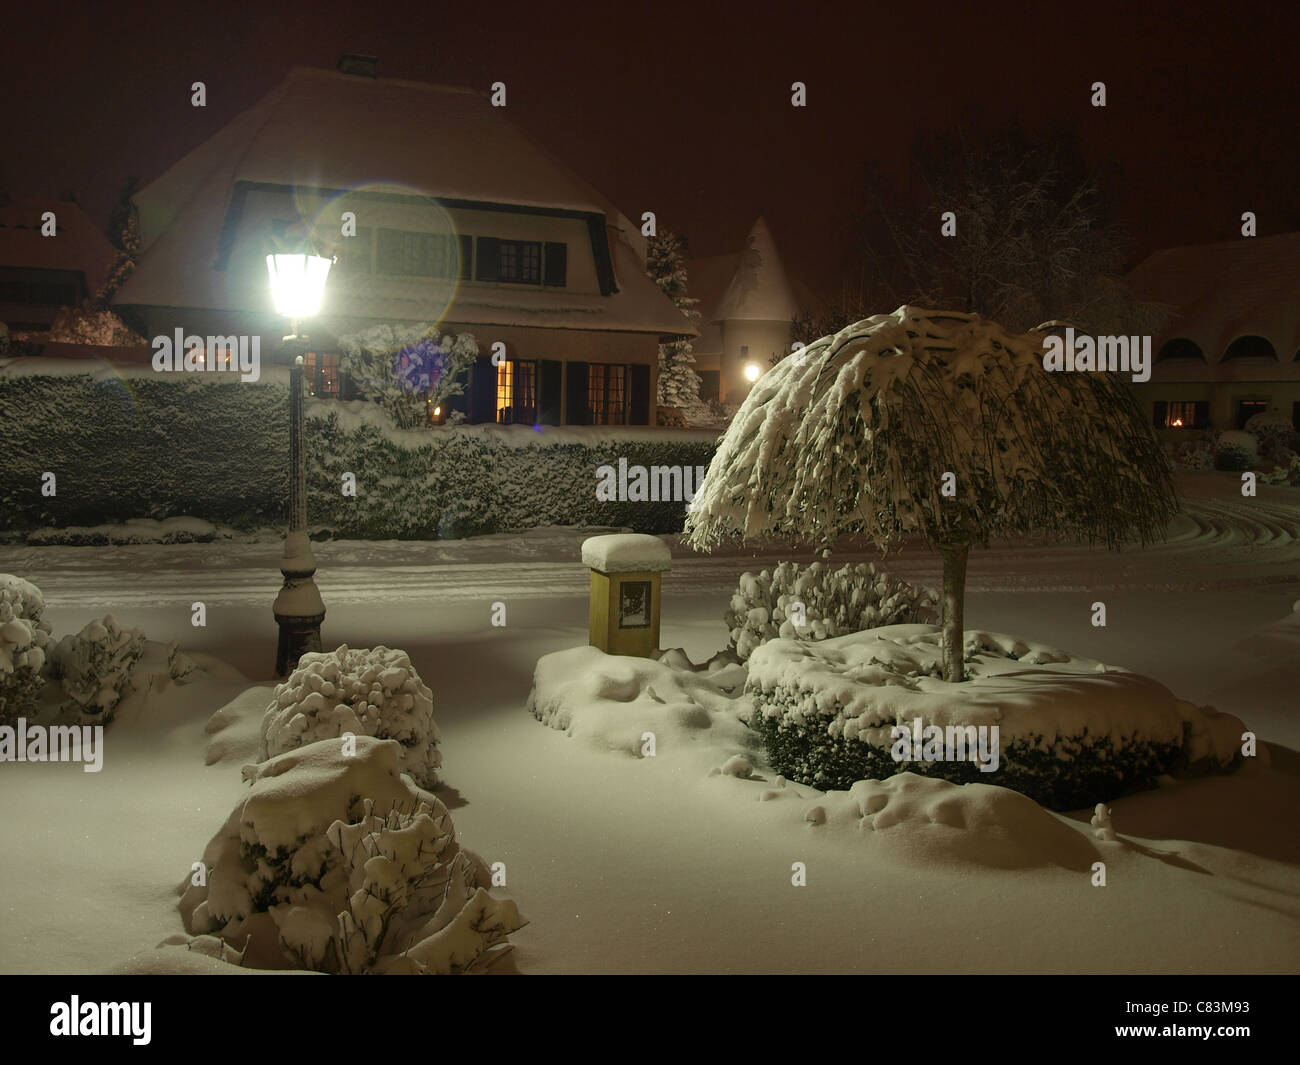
x=51, y=256
x=440, y=210
x=1232, y=347
x=747, y=304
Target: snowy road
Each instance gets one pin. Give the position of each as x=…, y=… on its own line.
x=1218, y=542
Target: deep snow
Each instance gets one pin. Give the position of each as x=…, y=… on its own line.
x=629, y=864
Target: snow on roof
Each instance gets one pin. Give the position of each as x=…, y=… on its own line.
x=626, y=553
x=1225, y=291
x=325, y=130
x=750, y=284
x=77, y=245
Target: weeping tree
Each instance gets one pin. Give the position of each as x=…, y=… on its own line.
x=938, y=424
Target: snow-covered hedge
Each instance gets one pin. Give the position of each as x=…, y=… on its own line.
x=1071, y=731
x=95, y=667
x=816, y=603
x=24, y=647
x=144, y=447
x=338, y=863
x=374, y=692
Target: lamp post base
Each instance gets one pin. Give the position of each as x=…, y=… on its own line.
x=298, y=636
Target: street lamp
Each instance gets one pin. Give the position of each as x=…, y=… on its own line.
x=297, y=285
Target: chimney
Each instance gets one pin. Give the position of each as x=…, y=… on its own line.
x=364, y=66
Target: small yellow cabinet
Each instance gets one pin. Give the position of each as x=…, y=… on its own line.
x=625, y=591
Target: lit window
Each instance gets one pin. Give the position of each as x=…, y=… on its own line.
x=517, y=393
x=606, y=394
x=321, y=371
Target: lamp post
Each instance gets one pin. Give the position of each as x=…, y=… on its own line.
x=297, y=285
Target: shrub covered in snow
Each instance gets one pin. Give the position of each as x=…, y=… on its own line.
x=367, y=692
x=336, y=862
x=1235, y=450
x=1071, y=732
x=92, y=325
x=24, y=647
x=1287, y=472
x=1275, y=435
x=816, y=603
x=95, y=667
x=1196, y=453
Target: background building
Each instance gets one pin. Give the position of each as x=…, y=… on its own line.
x=460, y=220
x=40, y=275
x=1232, y=347
x=746, y=305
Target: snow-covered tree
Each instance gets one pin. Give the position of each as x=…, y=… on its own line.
x=939, y=424
x=124, y=233
x=679, y=384
x=408, y=368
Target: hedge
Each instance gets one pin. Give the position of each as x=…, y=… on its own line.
x=142, y=447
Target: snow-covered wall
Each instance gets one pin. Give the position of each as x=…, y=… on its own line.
x=125, y=445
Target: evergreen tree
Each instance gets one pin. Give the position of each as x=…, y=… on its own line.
x=679, y=384
x=124, y=234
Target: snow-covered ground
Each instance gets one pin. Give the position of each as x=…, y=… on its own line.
x=624, y=864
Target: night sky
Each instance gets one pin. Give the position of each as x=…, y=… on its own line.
x=684, y=109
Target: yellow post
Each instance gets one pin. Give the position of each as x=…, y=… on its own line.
x=626, y=570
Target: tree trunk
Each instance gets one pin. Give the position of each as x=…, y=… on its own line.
x=953, y=619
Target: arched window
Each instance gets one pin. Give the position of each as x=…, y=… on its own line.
x=1250, y=347
x=1180, y=348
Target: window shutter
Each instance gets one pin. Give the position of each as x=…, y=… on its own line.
x=1160, y=413
x=638, y=401
x=549, y=389
x=487, y=258
x=466, y=265
x=575, y=394
x=483, y=391
x=1201, y=419
x=557, y=256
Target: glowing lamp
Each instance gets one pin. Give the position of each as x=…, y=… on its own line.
x=297, y=283
x=751, y=372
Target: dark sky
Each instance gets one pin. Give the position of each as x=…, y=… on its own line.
x=684, y=108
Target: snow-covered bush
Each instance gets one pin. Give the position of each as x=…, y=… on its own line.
x=1235, y=450
x=95, y=667
x=407, y=369
x=24, y=647
x=816, y=603
x=1071, y=731
x=1274, y=433
x=1196, y=453
x=367, y=692
x=1286, y=472
x=338, y=863
x=90, y=325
